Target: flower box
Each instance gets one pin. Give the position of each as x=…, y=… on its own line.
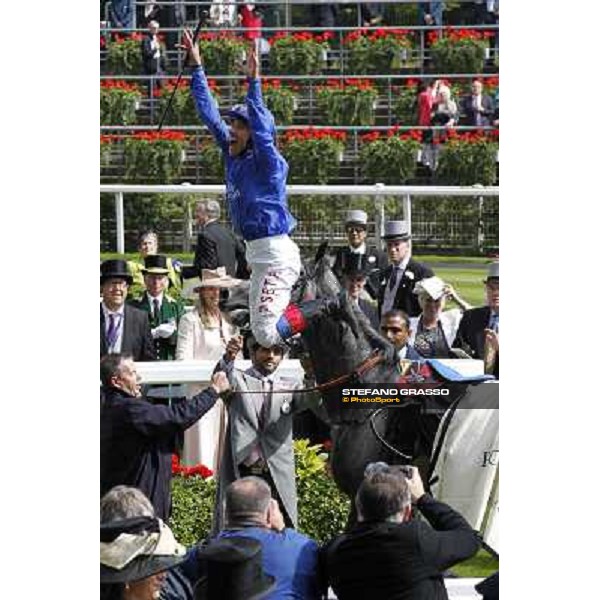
x=280, y=100
x=349, y=102
x=119, y=101
x=468, y=158
x=154, y=156
x=221, y=52
x=377, y=50
x=299, y=53
x=390, y=158
x=183, y=108
x=124, y=54
x=314, y=155
x=458, y=50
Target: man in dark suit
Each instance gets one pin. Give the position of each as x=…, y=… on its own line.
x=374, y=260
x=354, y=280
x=479, y=330
x=399, y=278
x=123, y=328
x=138, y=438
x=163, y=311
x=154, y=57
x=477, y=109
x=395, y=326
x=216, y=245
x=390, y=555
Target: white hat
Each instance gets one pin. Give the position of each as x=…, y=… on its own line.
x=217, y=278
x=433, y=286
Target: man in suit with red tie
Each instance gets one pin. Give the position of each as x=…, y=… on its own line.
x=123, y=329
x=399, y=278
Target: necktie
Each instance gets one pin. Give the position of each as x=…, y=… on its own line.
x=156, y=313
x=266, y=405
x=394, y=277
x=495, y=322
x=113, y=329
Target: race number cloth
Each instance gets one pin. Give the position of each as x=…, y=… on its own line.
x=464, y=461
x=275, y=264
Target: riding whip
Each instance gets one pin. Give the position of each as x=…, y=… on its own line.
x=203, y=18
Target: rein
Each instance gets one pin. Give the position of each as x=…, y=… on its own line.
x=371, y=361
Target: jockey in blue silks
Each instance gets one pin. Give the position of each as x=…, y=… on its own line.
x=255, y=181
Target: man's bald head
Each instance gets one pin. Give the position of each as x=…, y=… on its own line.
x=247, y=498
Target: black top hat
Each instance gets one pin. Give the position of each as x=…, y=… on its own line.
x=355, y=265
x=233, y=570
x=136, y=548
x=115, y=269
x=157, y=264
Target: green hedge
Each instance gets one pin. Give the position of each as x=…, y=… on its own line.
x=323, y=509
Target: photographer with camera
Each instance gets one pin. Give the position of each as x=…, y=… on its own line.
x=389, y=555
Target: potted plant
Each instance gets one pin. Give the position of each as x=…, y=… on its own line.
x=280, y=99
x=119, y=101
x=210, y=160
x=314, y=155
x=458, y=50
x=390, y=158
x=349, y=102
x=300, y=53
x=183, y=108
x=378, y=50
x=405, y=105
x=124, y=54
x=468, y=158
x=154, y=156
x=221, y=52
x=106, y=147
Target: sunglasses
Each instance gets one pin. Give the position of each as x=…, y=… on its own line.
x=376, y=468
x=355, y=229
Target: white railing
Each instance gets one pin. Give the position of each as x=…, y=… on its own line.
x=200, y=371
x=379, y=191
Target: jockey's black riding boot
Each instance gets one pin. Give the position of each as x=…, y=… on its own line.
x=296, y=317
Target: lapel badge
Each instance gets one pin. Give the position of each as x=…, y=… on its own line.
x=286, y=407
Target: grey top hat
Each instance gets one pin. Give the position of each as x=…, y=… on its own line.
x=493, y=271
x=396, y=230
x=356, y=217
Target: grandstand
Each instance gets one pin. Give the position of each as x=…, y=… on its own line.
x=334, y=92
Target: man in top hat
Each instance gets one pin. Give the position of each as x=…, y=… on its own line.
x=374, y=260
x=479, y=330
x=355, y=277
x=399, y=278
x=123, y=328
x=258, y=440
x=164, y=312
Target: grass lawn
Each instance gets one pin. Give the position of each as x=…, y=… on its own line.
x=481, y=565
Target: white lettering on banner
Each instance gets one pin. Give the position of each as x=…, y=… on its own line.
x=395, y=392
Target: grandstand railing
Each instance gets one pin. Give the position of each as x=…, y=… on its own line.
x=380, y=195
x=282, y=10
x=307, y=109
x=416, y=59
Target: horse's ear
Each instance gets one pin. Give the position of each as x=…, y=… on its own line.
x=321, y=251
